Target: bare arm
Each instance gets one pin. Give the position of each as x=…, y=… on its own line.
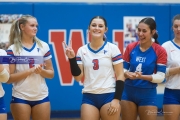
x=144, y=77
x=137, y=75
x=2, y=67
x=71, y=54
x=118, y=68
x=154, y=78
x=172, y=71
x=114, y=105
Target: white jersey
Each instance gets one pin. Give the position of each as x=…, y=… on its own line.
x=34, y=86
x=2, y=53
x=173, y=60
x=99, y=75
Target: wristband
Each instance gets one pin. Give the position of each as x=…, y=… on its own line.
x=158, y=77
x=119, y=89
x=75, y=70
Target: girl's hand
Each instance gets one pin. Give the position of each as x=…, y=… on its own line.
x=130, y=75
x=68, y=50
x=114, y=107
x=138, y=74
x=38, y=68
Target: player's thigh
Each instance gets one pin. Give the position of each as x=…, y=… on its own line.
x=171, y=105
x=89, y=112
x=147, y=112
x=128, y=110
x=3, y=116
x=41, y=111
x=171, y=112
x=20, y=111
x=104, y=114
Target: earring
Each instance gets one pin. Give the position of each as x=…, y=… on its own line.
x=153, y=39
x=104, y=36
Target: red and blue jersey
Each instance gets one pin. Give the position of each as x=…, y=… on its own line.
x=148, y=62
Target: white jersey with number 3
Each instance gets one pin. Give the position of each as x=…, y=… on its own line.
x=99, y=76
x=34, y=86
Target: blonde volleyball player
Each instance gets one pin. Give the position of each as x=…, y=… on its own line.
x=4, y=77
x=29, y=92
x=100, y=63
x=171, y=102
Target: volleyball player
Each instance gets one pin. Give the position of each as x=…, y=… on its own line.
x=145, y=66
x=100, y=63
x=4, y=77
x=30, y=92
x=171, y=102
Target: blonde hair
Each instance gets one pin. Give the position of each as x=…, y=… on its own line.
x=15, y=33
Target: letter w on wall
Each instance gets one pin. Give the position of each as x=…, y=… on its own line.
x=56, y=37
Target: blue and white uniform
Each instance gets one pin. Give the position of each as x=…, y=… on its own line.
x=2, y=92
x=99, y=75
x=32, y=88
x=148, y=62
x=172, y=84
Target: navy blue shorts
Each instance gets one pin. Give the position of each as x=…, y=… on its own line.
x=171, y=96
x=97, y=100
x=2, y=106
x=31, y=103
x=140, y=96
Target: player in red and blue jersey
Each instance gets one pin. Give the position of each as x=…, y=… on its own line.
x=144, y=66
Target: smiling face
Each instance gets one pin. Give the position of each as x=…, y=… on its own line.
x=144, y=33
x=176, y=28
x=97, y=28
x=30, y=27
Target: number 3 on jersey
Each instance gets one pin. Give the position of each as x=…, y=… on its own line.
x=139, y=67
x=96, y=64
x=31, y=62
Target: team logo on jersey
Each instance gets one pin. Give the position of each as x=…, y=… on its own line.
x=133, y=52
x=172, y=50
x=105, y=51
x=38, y=49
